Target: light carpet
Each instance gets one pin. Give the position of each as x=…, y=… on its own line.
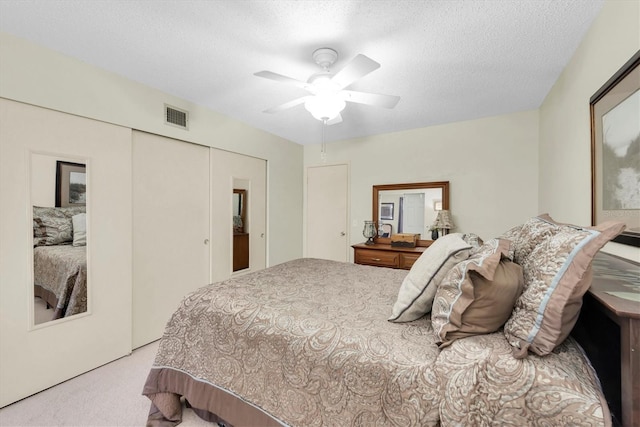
x=106, y=396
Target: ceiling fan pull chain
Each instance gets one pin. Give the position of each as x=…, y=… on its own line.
x=323, y=146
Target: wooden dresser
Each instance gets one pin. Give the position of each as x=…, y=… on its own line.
x=383, y=255
x=609, y=331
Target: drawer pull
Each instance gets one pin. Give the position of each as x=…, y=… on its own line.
x=376, y=259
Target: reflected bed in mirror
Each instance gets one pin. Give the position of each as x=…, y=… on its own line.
x=58, y=197
x=408, y=208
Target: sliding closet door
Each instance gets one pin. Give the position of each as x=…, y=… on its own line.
x=37, y=356
x=231, y=171
x=170, y=229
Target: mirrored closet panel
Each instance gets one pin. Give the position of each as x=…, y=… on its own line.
x=240, y=236
x=59, y=198
x=42, y=150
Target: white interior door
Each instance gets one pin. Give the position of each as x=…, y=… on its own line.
x=170, y=229
x=413, y=213
x=326, y=212
x=226, y=169
x=35, y=357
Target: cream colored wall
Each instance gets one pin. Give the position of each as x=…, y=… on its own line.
x=565, y=141
x=35, y=75
x=491, y=164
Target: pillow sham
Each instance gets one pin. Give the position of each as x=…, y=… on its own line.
x=477, y=295
x=52, y=225
x=556, y=261
x=79, y=229
x=419, y=286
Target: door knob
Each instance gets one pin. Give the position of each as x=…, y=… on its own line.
x=342, y=233
x=206, y=241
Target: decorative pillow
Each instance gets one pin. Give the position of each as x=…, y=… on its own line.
x=52, y=226
x=419, y=286
x=473, y=239
x=556, y=259
x=477, y=295
x=79, y=229
x=512, y=234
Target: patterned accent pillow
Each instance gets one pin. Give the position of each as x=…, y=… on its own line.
x=473, y=239
x=469, y=302
x=556, y=259
x=52, y=226
x=419, y=286
x=512, y=235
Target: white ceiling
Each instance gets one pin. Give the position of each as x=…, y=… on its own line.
x=448, y=60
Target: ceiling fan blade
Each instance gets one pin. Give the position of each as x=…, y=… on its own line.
x=286, y=105
x=282, y=79
x=337, y=119
x=375, y=99
x=359, y=67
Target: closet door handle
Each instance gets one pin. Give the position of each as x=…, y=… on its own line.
x=206, y=241
x=342, y=233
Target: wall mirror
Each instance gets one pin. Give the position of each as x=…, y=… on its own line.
x=240, y=235
x=408, y=208
x=58, y=198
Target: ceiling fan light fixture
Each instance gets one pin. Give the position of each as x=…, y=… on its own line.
x=325, y=107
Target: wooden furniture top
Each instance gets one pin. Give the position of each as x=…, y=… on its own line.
x=386, y=247
x=614, y=274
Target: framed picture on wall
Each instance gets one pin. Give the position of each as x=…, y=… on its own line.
x=386, y=210
x=71, y=184
x=615, y=151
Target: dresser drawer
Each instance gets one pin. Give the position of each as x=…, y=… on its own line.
x=407, y=260
x=377, y=258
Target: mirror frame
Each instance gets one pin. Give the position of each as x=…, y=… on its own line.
x=443, y=185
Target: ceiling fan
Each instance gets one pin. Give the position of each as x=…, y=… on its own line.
x=328, y=94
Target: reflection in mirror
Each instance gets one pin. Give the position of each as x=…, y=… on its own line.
x=58, y=197
x=240, y=237
x=408, y=208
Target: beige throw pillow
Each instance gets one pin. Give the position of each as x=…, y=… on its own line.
x=79, y=229
x=477, y=295
x=419, y=286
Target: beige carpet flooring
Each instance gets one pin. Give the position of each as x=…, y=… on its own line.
x=106, y=396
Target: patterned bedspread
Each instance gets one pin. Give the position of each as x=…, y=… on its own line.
x=308, y=342
x=62, y=270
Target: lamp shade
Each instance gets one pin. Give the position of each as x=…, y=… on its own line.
x=443, y=220
x=325, y=106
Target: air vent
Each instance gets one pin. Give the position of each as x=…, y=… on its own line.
x=176, y=117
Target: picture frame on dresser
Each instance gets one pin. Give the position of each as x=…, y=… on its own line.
x=615, y=151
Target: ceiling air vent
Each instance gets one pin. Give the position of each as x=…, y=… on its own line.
x=176, y=117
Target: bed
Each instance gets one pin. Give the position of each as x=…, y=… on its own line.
x=311, y=343
x=60, y=259
x=60, y=278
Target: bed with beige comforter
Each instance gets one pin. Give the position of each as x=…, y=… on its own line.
x=60, y=278
x=307, y=343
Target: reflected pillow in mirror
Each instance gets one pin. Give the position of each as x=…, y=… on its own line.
x=52, y=225
x=79, y=229
x=419, y=286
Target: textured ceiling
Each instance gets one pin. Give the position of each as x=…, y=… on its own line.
x=448, y=60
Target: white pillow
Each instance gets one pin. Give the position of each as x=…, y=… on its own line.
x=418, y=289
x=79, y=229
